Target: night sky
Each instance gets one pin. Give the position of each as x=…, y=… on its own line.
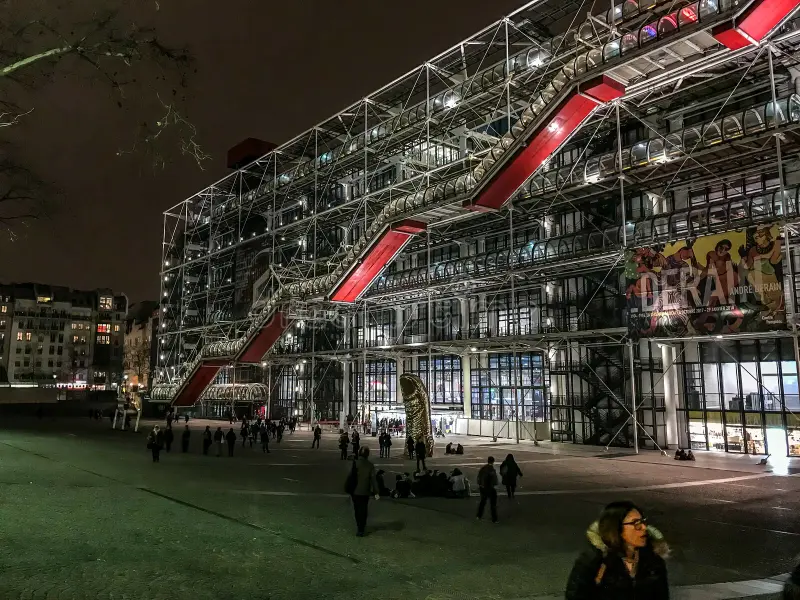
x=266, y=69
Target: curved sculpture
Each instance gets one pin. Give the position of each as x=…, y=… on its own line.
x=418, y=410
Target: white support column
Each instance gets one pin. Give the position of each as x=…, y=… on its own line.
x=346, y=368
x=670, y=395
x=466, y=384
x=401, y=369
x=399, y=324
x=657, y=202
x=464, y=317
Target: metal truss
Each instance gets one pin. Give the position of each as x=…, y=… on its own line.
x=284, y=230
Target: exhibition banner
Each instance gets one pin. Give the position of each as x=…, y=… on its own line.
x=729, y=282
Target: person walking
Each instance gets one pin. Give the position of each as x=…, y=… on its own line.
x=185, y=439
x=317, y=436
x=265, y=439
x=487, y=481
x=421, y=451
x=169, y=437
x=410, y=447
x=381, y=445
x=355, y=439
x=218, y=438
x=387, y=444
x=625, y=559
x=509, y=471
x=207, y=440
x=361, y=484
x=244, y=432
x=344, y=441
x=154, y=441
x=231, y=439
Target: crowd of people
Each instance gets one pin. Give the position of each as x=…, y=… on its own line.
x=255, y=432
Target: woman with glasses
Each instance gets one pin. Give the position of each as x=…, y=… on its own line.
x=625, y=560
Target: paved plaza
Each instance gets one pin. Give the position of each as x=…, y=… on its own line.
x=86, y=514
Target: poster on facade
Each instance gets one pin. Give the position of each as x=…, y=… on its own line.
x=729, y=282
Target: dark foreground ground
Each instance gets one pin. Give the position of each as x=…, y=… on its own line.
x=84, y=513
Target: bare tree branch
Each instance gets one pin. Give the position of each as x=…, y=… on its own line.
x=110, y=47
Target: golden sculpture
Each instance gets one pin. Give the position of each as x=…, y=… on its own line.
x=418, y=410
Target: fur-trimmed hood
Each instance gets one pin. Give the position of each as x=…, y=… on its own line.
x=656, y=538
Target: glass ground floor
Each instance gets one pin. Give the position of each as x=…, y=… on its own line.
x=740, y=396
x=720, y=395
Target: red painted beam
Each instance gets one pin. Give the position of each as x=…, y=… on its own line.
x=410, y=226
x=266, y=337
x=567, y=118
x=603, y=89
x=753, y=25
x=377, y=257
x=198, y=381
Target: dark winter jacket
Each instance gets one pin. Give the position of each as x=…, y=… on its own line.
x=366, y=482
x=487, y=477
x=420, y=450
x=509, y=471
x=791, y=589
x=600, y=574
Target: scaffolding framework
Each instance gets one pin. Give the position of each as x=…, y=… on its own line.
x=470, y=222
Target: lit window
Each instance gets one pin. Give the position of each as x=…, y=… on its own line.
x=2, y=323
x=28, y=336
x=74, y=339
x=83, y=339
x=116, y=328
x=4, y=309
x=105, y=303
x=103, y=328
x=19, y=336
x=103, y=339
x=74, y=325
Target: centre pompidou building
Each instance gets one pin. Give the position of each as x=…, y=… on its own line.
x=573, y=227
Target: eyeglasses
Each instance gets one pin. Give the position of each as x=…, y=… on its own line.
x=637, y=523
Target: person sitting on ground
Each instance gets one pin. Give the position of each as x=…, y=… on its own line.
x=382, y=489
x=449, y=448
x=459, y=449
x=459, y=484
x=402, y=487
x=441, y=484
x=680, y=454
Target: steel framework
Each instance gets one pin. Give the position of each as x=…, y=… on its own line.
x=476, y=212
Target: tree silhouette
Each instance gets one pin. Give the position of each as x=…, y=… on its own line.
x=118, y=47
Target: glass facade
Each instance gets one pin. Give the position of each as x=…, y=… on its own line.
x=444, y=379
x=494, y=386
x=741, y=396
x=375, y=387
